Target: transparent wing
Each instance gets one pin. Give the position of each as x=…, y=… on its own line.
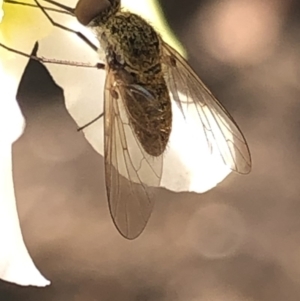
x=195, y=100
x=128, y=169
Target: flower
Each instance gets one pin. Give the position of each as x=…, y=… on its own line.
x=20, y=27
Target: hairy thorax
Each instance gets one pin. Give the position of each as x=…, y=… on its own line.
x=133, y=42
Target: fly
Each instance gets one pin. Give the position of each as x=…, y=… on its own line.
x=143, y=75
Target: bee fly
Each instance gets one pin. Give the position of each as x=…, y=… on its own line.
x=143, y=75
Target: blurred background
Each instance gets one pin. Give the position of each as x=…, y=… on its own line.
x=237, y=242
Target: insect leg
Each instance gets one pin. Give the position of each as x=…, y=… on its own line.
x=35, y=6
x=64, y=7
x=71, y=10
x=52, y=61
x=89, y=123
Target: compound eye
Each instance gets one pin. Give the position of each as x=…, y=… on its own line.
x=87, y=10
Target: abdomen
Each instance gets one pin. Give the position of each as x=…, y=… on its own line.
x=151, y=117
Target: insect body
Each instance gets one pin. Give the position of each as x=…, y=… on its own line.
x=144, y=75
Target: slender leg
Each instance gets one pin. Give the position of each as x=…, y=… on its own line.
x=71, y=10
x=62, y=11
x=53, y=61
x=89, y=123
x=66, y=10
x=64, y=7
x=80, y=35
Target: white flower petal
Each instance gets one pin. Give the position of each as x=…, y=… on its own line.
x=188, y=163
x=15, y=263
x=1, y=10
x=83, y=87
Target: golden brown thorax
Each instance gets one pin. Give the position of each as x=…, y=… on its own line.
x=133, y=52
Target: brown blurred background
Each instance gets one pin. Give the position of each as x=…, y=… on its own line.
x=238, y=242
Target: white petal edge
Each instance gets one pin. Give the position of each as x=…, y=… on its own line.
x=189, y=165
x=16, y=265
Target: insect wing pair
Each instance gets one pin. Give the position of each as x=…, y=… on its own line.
x=131, y=202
